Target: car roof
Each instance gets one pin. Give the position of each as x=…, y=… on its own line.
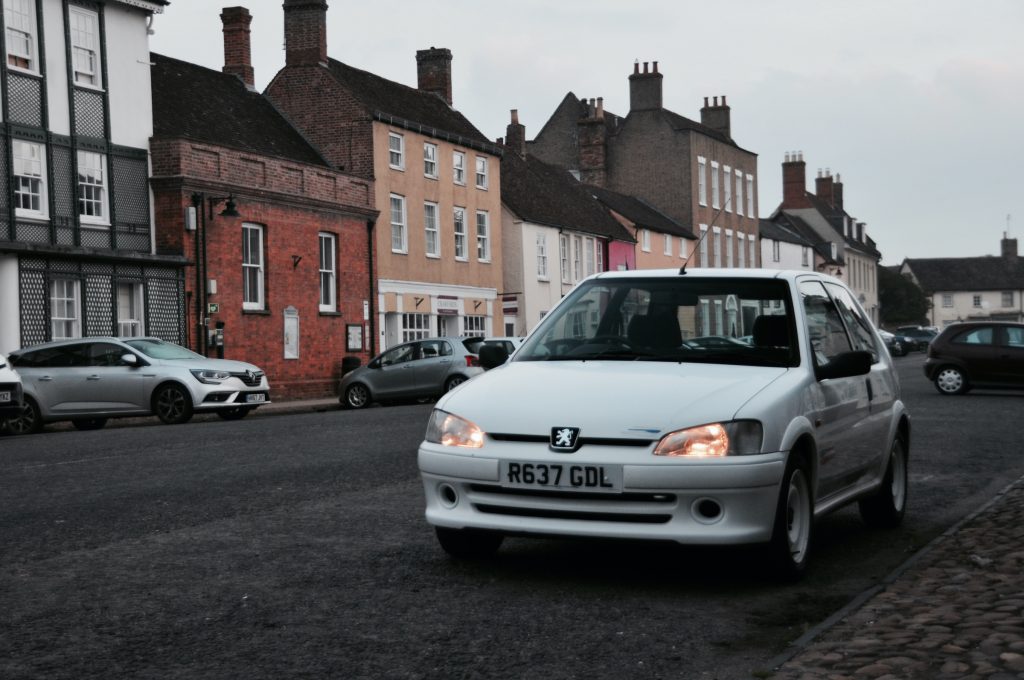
x=716, y=273
x=75, y=341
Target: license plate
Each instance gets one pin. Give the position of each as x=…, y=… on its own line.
x=5, y=397
x=562, y=476
x=255, y=398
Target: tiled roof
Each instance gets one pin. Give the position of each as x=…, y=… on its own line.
x=683, y=123
x=204, y=105
x=836, y=217
x=640, y=213
x=543, y=194
x=778, y=232
x=968, y=273
x=409, y=107
x=799, y=226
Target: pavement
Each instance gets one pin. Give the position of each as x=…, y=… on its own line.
x=953, y=610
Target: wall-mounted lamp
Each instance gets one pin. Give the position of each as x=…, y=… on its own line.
x=202, y=207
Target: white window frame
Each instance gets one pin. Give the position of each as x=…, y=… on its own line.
x=702, y=180
x=728, y=246
x=715, y=203
x=716, y=246
x=739, y=193
x=65, y=309
x=750, y=196
x=727, y=188
x=459, y=168
x=461, y=237
x=645, y=240
x=415, y=326
x=92, y=188
x=776, y=253
x=130, y=315
x=588, y=256
x=577, y=258
x=483, y=236
x=976, y=301
x=599, y=254
x=253, y=262
x=704, y=245
x=431, y=230
x=474, y=324
x=430, y=160
x=396, y=151
x=752, y=242
x=20, y=20
x=1007, y=296
x=947, y=300
x=30, y=178
x=481, y=172
x=563, y=256
x=86, y=64
x=668, y=244
x=741, y=252
x=328, y=273
x=541, y=240
x=399, y=225
x=805, y=255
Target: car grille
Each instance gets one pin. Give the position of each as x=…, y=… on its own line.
x=630, y=508
x=250, y=378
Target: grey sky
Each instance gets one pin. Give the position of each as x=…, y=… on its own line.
x=918, y=104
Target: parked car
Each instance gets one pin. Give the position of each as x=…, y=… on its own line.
x=10, y=391
x=606, y=423
x=987, y=354
x=90, y=380
x=898, y=345
x=920, y=336
x=413, y=370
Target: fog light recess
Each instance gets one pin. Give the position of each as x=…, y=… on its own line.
x=706, y=510
x=448, y=495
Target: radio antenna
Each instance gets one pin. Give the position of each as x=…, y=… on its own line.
x=714, y=218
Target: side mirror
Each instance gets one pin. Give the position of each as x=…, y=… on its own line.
x=374, y=364
x=492, y=355
x=845, y=365
x=129, y=359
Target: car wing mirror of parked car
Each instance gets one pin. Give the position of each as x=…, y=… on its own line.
x=129, y=359
x=492, y=355
x=845, y=365
x=374, y=364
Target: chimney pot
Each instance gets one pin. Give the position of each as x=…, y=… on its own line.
x=434, y=72
x=600, y=108
x=645, y=67
x=237, y=50
x=655, y=66
x=716, y=100
x=723, y=100
x=515, y=116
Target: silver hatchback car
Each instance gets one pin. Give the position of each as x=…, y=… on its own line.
x=89, y=380
x=419, y=369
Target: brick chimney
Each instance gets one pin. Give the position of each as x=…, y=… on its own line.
x=716, y=116
x=837, y=193
x=645, y=88
x=823, y=186
x=592, y=136
x=1008, y=246
x=794, y=181
x=515, y=135
x=237, y=53
x=305, y=32
x=434, y=72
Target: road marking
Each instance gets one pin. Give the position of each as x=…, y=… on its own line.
x=71, y=462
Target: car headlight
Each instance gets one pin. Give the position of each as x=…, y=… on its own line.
x=451, y=430
x=735, y=438
x=210, y=377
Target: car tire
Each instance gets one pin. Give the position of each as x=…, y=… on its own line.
x=357, y=395
x=794, y=521
x=29, y=421
x=235, y=413
x=886, y=508
x=172, y=404
x=86, y=424
x=951, y=380
x=469, y=544
x=453, y=382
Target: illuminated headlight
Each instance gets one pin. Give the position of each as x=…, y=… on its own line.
x=205, y=375
x=450, y=430
x=736, y=438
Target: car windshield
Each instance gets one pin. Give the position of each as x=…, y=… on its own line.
x=678, y=319
x=158, y=349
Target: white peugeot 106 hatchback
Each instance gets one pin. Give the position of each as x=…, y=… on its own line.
x=617, y=418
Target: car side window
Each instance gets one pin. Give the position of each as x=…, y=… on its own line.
x=1015, y=337
x=431, y=349
x=105, y=354
x=856, y=323
x=824, y=325
x=398, y=355
x=977, y=336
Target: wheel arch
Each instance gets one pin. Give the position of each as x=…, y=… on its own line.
x=164, y=383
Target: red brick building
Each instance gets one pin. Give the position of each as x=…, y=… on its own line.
x=280, y=242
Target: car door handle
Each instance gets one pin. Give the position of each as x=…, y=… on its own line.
x=45, y=378
x=93, y=377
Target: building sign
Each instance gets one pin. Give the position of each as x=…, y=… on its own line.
x=447, y=305
x=509, y=305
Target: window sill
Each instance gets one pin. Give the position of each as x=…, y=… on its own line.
x=431, y=256
x=256, y=312
x=35, y=218
x=91, y=88
x=327, y=312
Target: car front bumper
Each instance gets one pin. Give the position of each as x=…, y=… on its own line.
x=720, y=502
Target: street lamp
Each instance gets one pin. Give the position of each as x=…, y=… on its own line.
x=204, y=204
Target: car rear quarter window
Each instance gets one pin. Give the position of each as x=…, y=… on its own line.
x=975, y=336
x=1015, y=337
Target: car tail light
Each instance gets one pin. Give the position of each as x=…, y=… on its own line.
x=472, y=360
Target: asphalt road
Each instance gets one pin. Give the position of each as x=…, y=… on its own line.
x=294, y=546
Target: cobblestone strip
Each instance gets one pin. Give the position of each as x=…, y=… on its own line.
x=956, y=613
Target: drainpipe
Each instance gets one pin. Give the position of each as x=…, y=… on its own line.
x=369, y=262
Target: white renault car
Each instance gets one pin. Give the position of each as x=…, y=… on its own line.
x=614, y=419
